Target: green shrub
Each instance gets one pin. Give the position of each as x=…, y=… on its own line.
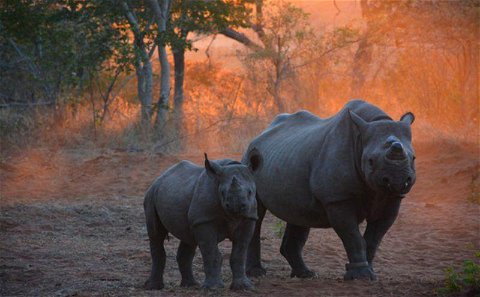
x=279, y=228
x=465, y=281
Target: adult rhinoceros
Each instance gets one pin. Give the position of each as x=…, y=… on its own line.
x=334, y=172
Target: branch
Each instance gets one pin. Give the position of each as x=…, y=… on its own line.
x=137, y=32
x=21, y=104
x=161, y=13
x=240, y=37
x=34, y=70
x=205, y=129
x=258, y=27
x=151, y=51
x=325, y=53
x=336, y=6
x=207, y=51
x=132, y=20
x=122, y=84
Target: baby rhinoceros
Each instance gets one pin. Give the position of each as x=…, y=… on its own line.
x=203, y=206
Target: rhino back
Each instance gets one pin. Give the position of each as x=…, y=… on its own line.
x=172, y=193
x=289, y=147
x=308, y=161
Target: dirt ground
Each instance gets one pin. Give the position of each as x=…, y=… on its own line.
x=72, y=224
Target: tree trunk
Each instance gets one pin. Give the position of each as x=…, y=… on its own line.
x=363, y=55
x=277, y=96
x=162, y=105
x=277, y=83
x=178, y=97
x=147, y=101
x=144, y=88
x=143, y=66
x=179, y=60
x=162, y=12
x=361, y=63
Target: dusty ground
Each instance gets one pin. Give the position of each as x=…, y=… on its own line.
x=71, y=224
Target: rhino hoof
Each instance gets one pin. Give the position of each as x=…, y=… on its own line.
x=365, y=273
x=303, y=274
x=153, y=285
x=213, y=285
x=256, y=271
x=242, y=284
x=189, y=283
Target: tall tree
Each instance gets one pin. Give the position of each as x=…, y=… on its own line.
x=285, y=35
x=50, y=47
x=380, y=20
x=143, y=51
x=161, y=11
x=286, y=43
x=419, y=30
x=198, y=17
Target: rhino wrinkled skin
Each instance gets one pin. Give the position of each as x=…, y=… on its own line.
x=333, y=173
x=202, y=206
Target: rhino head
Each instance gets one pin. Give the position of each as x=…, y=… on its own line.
x=388, y=159
x=236, y=185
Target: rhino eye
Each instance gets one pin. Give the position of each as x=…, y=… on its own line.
x=370, y=162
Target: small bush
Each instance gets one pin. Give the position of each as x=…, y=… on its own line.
x=466, y=281
x=279, y=228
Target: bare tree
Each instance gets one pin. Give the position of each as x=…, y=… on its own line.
x=285, y=36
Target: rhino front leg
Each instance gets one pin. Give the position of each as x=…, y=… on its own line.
x=206, y=237
x=254, y=264
x=377, y=228
x=241, y=239
x=343, y=218
x=185, y=254
x=292, y=246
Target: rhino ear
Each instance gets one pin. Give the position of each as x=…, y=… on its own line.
x=213, y=169
x=255, y=160
x=408, y=118
x=359, y=122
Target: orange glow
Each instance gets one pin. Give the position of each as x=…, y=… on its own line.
x=409, y=67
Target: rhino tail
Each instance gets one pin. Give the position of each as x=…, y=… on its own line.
x=156, y=230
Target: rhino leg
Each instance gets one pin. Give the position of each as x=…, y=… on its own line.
x=376, y=229
x=343, y=218
x=241, y=240
x=254, y=264
x=206, y=237
x=157, y=234
x=185, y=254
x=292, y=246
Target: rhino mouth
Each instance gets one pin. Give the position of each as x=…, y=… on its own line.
x=395, y=194
x=397, y=190
x=235, y=215
x=395, y=186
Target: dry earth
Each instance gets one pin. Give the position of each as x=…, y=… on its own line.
x=71, y=224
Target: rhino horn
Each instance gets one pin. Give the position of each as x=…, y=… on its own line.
x=396, y=152
x=235, y=183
